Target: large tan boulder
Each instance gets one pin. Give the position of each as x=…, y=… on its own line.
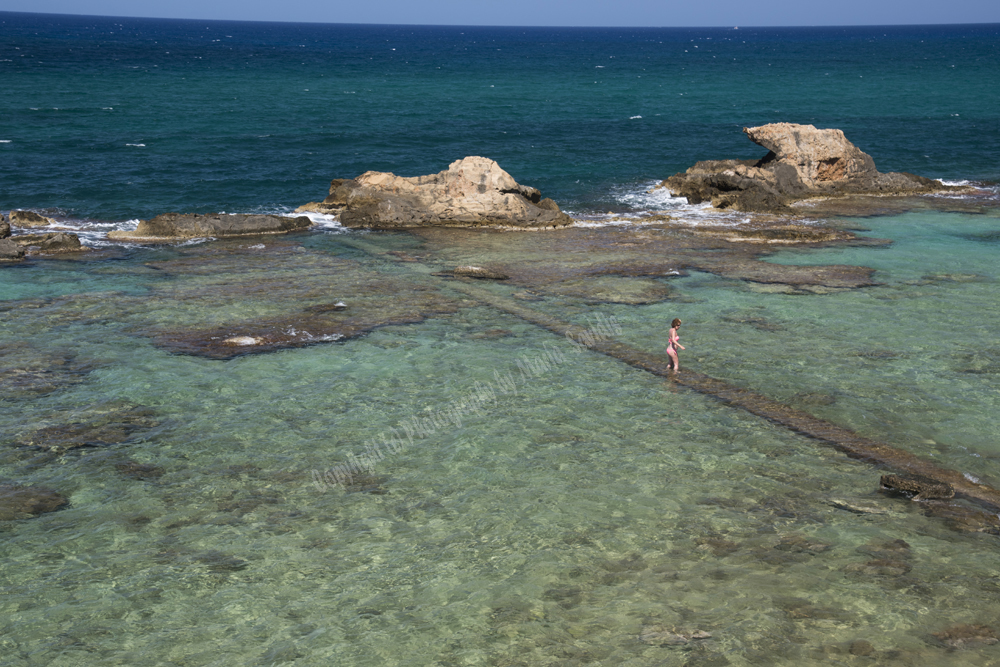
x=818, y=156
x=802, y=162
x=170, y=227
x=472, y=192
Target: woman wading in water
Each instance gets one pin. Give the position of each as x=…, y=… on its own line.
x=673, y=342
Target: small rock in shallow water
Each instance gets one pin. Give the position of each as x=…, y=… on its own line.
x=857, y=507
x=216, y=561
x=886, y=550
x=479, y=272
x=966, y=636
x=492, y=333
x=140, y=471
x=862, y=647
x=814, y=398
x=917, y=487
x=881, y=567
x=242, y=341
x=25, y=502
x=659, y=635
x=964, y=519
x=801, y=544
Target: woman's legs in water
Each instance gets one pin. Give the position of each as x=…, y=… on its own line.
x=675, y=364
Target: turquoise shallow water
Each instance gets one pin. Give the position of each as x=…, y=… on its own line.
x=597, y=514
x=555, y=524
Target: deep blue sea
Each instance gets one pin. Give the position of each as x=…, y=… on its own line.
x=582, y=513
x=123, y=118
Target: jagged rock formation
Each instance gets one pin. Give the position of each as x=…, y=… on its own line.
x=179, y=226
x=802, y=162
x=472, y=192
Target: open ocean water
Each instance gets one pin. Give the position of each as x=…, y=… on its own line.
x=586, y=513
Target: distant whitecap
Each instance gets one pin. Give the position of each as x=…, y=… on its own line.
x=138, y=145
x=634, y=117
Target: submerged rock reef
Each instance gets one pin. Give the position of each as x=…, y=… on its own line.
x=471, y=192
x=802, y=162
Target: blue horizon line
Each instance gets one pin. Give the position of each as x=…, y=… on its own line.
x=520, y=27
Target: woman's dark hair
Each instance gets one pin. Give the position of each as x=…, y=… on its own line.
x=676, y=323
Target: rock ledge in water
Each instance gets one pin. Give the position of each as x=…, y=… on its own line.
x=170, y=227
x=472, y=192
x=803, y=162
x=48, y=244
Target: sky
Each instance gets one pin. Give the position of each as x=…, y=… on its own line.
x=651, y=13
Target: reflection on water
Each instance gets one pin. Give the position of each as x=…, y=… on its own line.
x=592, y=514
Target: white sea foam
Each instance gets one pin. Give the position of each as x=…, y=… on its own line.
x=981, y=189
x=139, y=145
x=4, y=141
x=642, y=200
x=324, y=221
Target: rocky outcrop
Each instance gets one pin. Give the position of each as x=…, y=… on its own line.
x=472, y=192
x=29, y=219
x=4, y=227
x=10, y=251
x=179, y=226
x=802, y=162
x=47, y=244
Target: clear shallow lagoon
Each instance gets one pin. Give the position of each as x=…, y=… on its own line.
x=559, y=525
